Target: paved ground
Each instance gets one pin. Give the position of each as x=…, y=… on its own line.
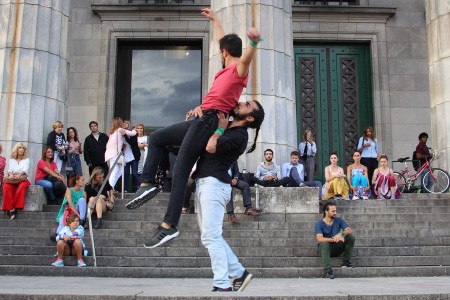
x=345, y=288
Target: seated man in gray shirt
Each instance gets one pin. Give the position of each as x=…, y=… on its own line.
x=267, y=173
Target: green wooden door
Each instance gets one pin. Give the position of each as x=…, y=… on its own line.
x=334, y=98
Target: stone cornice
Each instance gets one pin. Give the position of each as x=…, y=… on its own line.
x=148, y=12
x=342, y=14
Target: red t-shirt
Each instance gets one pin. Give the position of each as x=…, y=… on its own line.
x=226, y=90
x=40, y=173
x=422, y=149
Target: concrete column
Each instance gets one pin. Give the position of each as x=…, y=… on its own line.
x=438, y=37
x=33, y=71
x=271, y=75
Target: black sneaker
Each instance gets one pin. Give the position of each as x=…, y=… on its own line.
x=239, y=284
x=348, y=265
x=162, y=235
x=329, y=274
x=218, y=289
x=142, y=195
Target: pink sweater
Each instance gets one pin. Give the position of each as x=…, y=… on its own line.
x=115, y=143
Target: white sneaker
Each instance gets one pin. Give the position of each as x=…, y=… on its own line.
x=365, y=198
x=355, y=198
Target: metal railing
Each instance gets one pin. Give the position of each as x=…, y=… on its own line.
x=90, y=207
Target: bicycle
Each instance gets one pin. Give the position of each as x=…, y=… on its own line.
x=434, y=180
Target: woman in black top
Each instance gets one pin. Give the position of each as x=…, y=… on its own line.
x=105, y=201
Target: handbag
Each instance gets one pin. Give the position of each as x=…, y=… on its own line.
x=62, y=154
x=22, y=177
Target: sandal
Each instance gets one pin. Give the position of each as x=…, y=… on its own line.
x=13, y=214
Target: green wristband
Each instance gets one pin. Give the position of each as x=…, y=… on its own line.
x=253, y=43
x=219, y=131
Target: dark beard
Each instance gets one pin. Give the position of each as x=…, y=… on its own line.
x=237, y=116
x=223, y=65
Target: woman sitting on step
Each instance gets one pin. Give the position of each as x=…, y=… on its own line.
x=48, y=176
x=336, y=186
x=105, y=201
x=383, y=181
x=75, y=199
x=70, y=242
x=357, y=174
x=16, y=181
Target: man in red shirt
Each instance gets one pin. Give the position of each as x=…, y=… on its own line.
x=422, y=152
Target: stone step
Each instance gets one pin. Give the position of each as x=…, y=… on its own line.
x=417, y=206
x=249, y=261
x=157, y=272
x=183, y=241
x=244, y=224
x=392, y=217
x=263, y=234
x=298, y=251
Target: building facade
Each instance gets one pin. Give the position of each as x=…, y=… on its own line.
x=333, y=67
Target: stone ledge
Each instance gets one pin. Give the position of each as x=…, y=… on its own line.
x=288, y=200
x=34, y=199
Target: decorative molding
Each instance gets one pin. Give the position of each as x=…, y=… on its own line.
x=353, y=14
x=148, y=12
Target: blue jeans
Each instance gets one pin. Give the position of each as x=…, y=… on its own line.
x=193, y=136
x=246, y=196
x=48, y=188
x=133, y=165
x=295, y=180
x=76, y=163
x=211, y=196
x=81, y=207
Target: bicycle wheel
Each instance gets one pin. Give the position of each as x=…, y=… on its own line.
x=400, y=180
x=436, y=184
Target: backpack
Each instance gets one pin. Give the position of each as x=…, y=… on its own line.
x=415, y=161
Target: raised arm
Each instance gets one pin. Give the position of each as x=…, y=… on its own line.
x=243, y=65
x=207, y=12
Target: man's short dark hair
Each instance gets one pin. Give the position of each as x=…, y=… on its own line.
x=268, y=150
x=327, y=205
x=232, y=43
x=92, y=122
x=422, y=135
x=295, y=153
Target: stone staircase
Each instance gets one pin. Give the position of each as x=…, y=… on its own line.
x=408, y=237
